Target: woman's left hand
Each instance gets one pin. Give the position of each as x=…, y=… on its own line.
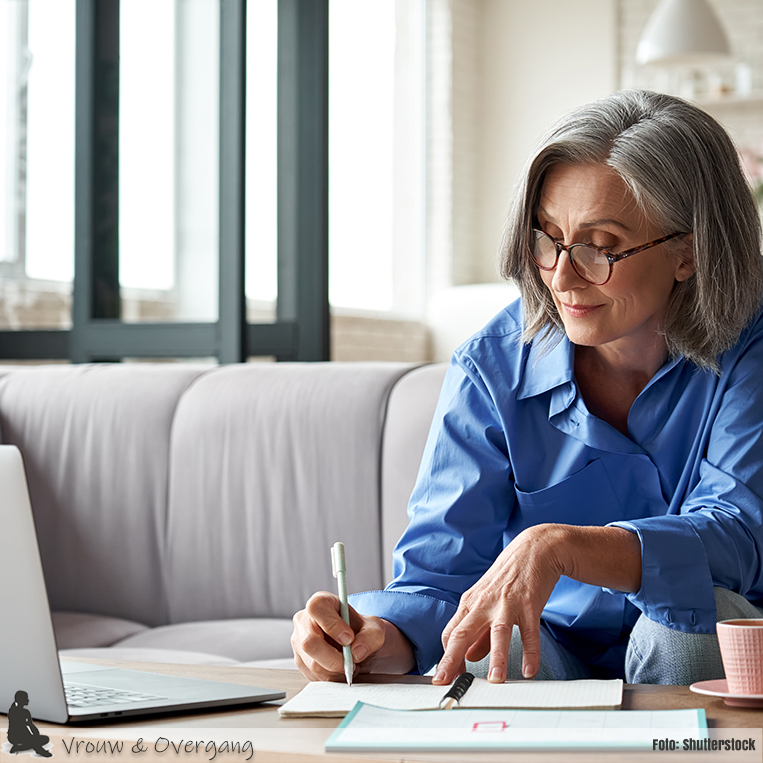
x=512, y=592
x=518, y=584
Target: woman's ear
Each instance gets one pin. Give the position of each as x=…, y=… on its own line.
x=685, y=264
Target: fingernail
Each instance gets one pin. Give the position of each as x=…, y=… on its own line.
x=495, y=676
x=345, y=639
x=360, y=653
x=440, y=676
x=527, y=671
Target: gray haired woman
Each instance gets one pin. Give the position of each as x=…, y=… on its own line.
x=590, y=499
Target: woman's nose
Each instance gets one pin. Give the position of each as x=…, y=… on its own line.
x=565, y=276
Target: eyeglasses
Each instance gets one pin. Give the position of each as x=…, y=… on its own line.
x=591, y=263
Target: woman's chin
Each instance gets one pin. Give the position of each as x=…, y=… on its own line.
x=585, y=336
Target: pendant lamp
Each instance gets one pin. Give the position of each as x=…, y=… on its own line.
x=683, y=32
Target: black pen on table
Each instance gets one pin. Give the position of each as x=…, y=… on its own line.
x=454, y=695
x=339, y=568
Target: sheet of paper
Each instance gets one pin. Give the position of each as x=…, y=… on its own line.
x=369, y=728
x=544, y=694
x=337, y=699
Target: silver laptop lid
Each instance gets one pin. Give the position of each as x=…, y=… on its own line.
x=28, y=653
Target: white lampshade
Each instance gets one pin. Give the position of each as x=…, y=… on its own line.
x=682, y=32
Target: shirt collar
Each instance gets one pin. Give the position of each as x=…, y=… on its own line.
x=547, y=366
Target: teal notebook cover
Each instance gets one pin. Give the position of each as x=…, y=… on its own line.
x=374, y=728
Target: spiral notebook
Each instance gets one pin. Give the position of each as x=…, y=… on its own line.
x=335, y=700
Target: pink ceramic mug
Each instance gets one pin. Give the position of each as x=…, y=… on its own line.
x=741, y=643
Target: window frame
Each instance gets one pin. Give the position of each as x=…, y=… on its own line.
x=301, y=329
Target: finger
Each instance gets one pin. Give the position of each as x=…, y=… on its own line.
x=309, y=642
x=480, y=648
x=306, y=672
x=459, y=641
x=369, y=636
x=304, y=663
x=500, y=640
x=323, y=608
x=314, y=672
x=454, y=621
x=530, y=648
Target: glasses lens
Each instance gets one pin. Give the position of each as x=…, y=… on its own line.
x=590, y=264
x=544, y=250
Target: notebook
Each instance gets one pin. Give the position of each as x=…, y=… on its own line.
x=28, y=653
x=373, y=728
x=334, y=700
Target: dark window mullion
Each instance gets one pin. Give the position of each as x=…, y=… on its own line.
x=303, y=174
x=82, y=303
x=96, y=257
x=232, y=303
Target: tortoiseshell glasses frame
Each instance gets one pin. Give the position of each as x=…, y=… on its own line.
x=587, y=263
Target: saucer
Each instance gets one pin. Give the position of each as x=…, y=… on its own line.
x=719, y=688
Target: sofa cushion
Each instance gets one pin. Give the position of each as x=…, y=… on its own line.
x=409, y=418
x=270, y=465
x=136, y=654
x=282, y=663
x=76, y=629
x=240, y=640
x=95, y=442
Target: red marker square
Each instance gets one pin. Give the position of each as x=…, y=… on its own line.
x=489, y=726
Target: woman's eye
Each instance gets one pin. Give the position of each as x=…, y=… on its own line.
x=607, y=247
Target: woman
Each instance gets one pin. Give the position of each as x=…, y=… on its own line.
x=590, y=499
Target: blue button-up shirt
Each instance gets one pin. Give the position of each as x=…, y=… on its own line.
x=512, y=445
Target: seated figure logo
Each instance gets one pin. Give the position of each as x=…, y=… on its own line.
x=23, y=735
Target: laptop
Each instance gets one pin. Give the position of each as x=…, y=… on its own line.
x=70, y=692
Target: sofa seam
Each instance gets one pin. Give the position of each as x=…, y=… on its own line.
x=165, y=529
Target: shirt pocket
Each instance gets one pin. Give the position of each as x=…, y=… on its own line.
x=586, y=497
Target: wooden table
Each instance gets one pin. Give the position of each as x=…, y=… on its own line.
x=302, y=740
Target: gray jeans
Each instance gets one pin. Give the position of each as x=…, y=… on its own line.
x=655, y=654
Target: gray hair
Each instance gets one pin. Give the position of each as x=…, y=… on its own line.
x=684, y=173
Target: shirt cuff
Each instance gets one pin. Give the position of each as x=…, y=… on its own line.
x=420, y=617
x=676, y=584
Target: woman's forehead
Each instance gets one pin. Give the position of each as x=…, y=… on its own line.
x=592, y=194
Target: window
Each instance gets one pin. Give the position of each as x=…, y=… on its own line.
x=37, y=189
x=261, y=158
x=124, y=190
x=377, y=102
x=169, y=163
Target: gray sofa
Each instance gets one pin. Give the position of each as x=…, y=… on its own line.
x=185, y=512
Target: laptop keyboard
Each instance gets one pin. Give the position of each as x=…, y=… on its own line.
x=83, y=695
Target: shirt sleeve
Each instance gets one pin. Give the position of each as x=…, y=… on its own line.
x=458, y=514
x=716, y=539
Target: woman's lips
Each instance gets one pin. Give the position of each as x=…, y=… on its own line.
x=579, y=311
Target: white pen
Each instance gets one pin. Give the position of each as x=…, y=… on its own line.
x=339, y=569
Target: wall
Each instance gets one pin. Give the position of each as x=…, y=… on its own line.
x=743, y=22
x=519, y=65
x=500, y=72
x=537, y=61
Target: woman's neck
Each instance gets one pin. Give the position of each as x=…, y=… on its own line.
x=610, y=380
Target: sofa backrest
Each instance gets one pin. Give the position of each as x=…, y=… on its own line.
x=95, y=441
x=409, y=416
x=173, y=492
x=270, y=465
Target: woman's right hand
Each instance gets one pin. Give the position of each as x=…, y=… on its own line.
x=319, y=634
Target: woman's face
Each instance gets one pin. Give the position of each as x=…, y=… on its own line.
x=590, y=204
